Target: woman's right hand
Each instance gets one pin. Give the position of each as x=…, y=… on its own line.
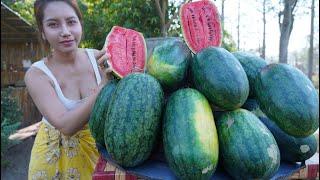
x=106, y=72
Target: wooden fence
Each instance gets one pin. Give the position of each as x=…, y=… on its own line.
x=12, y=78
x=12, y=55
x=31, y=114
x=12, y=74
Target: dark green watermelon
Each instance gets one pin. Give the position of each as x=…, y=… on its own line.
x=289, y=98
x=168, y=63
x=251, y=64
x=220, y=77
x=248, y=149
x=99, y=111
x=250, y=104
x=133, y=119
x=291, y=148
x=189, y=135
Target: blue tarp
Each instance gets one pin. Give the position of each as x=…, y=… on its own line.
x=157, y=168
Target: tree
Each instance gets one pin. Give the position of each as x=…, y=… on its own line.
x=238, y=26
x=263, y=50
x=11, y=116
x=286, y=19
x=263, y=54
x=167, y=14
x=163, y=14
x=310, y=57
x=222, y=13
x=266, y=8
x=24, y=8
x=100, y=16
x=162, y=11
x=228, y=42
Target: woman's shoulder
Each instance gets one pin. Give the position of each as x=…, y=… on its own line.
x=34, y=72
x=35, y=68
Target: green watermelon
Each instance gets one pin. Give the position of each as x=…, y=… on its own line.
x=133, y=119
x=292, y=149
x=97, y=116
x=248, y=149
x=168, y=63
x=289, y=98
x=220, y=77
x=250, y=104
x=251, y=64
x=189, y=135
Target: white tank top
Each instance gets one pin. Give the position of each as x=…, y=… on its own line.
x=68, y=103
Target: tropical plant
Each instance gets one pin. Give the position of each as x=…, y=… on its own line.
x=11, y=116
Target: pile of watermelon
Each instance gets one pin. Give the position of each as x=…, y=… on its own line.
x=204, y=104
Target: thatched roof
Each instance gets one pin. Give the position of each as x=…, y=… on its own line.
x=15, y=28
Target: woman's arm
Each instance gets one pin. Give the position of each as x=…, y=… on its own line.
x=68, y=122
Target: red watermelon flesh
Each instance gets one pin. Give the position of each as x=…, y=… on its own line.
x=126, y=50
x=201, y=25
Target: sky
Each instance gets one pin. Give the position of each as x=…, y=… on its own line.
x=251, y=26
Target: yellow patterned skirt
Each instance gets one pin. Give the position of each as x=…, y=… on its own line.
x=55, y=156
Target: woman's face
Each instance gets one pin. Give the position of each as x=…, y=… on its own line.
x=61, y=26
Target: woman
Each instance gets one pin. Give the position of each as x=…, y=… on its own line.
x=64, y=86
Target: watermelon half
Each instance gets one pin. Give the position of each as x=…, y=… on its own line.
x=201, y=25
x=126, y=50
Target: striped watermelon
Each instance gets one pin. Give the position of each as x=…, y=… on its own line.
x=189, y=135
x=251, y=64
x=98, y=113
x=220, y=77
x=168, y=63
x=248, y=149
x=289, y=98
x=292, y=149
x=133, y=119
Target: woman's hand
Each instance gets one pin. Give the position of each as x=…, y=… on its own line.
x=105, y=71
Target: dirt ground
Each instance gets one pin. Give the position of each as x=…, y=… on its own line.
x=18, y=156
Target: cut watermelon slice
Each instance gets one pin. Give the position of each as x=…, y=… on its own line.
x=126, y=51
x=201, y=25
